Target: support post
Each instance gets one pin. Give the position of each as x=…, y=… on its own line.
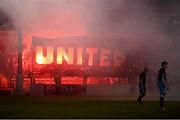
x=19, y=77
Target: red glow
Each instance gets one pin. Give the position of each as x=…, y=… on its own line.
x=73, y=55
x=91, y=52
x=41, y=58
x=3, y=82
x=79, y=56
x=105, y=54
x=68, y=56
x=45, y=55
x=72, y=81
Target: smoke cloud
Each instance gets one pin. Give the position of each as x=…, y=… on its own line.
x=132, y=20
x=120, y=18
x=115, y=19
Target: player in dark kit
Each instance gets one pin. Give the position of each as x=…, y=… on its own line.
x=142, y=85
x=162, y=83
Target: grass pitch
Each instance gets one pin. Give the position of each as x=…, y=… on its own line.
x=82, y=107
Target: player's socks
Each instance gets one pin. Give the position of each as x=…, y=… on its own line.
x=162, y=102
x=139, y=100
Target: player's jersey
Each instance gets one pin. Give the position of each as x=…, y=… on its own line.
x=161, y=77
x=142, y=82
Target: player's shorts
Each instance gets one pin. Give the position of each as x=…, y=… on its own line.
x=162, y=90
